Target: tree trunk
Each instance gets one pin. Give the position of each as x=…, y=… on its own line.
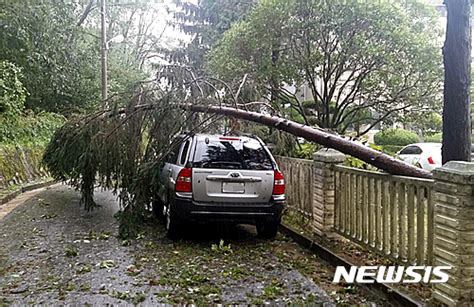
x=274, y=84
x=457, y=81
x=366, y=154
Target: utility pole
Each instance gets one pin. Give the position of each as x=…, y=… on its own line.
x=457, y=82
x=103, y=41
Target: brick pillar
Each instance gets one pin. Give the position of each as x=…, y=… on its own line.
x=454, y=232
x=323, y=189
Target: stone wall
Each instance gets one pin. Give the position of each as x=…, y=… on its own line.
x=20, y=165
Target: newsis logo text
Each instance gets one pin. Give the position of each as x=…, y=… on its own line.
x=392, y=274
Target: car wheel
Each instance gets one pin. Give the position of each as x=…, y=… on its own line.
x=267, y=230
x=173, y=224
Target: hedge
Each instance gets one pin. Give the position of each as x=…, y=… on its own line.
x=438, y=138
x=399, y=137
x=391, y=149
x=434, y=138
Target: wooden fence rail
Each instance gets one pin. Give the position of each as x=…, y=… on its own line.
x=391, y=215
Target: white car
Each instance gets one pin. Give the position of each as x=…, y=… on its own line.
x=424, y=155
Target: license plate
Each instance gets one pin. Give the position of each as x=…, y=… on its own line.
x=233, y=187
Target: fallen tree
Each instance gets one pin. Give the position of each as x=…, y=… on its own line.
x=371, y=156
x=366, y=154
x=123, y=148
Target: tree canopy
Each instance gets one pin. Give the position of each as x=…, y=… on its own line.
x=205, y=22
x=362, y=61
x=12, y=91
x=43, y=40
x=57, y=47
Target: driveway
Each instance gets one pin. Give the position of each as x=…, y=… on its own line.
x=53, y=252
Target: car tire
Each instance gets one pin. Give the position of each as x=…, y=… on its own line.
x=267, y=230
x=173, y=224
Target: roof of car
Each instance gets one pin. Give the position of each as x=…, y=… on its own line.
x=428, y=144
x=201, y=136
x=425, y=145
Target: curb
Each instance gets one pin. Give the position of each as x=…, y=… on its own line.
x=26, y=188
x=336, y=260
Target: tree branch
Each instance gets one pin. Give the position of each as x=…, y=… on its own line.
x=86, y=12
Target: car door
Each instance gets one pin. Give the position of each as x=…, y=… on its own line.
x=175, y=168
x=168, y=172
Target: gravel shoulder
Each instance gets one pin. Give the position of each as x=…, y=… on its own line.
x=53, y=252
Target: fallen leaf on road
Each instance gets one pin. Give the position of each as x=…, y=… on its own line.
x=106, y=264
x=133, y=270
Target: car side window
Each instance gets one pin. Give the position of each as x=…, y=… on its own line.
x=184, y=153
x=411, y=150
x=172, y=157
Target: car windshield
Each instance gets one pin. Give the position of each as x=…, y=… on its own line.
x=234, y=154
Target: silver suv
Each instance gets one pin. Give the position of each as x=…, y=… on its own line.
x=220, y=178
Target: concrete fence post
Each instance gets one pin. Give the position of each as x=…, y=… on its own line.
x=324, y=189
x=454, y=232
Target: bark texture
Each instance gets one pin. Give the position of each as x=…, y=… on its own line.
x=457, y=82
x=369, y=155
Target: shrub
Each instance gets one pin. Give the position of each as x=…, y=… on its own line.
x=391, y=149
x=29, y=128
x=306, y=150
x=434, y=138
x=356, y=163
x=438, y=138
x=398, y=137
x=12, y=91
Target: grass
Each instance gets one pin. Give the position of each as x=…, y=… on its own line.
x=70, y=251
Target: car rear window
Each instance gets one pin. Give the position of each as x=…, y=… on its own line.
x=234, y=154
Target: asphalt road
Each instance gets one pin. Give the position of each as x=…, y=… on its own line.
x=53, y=252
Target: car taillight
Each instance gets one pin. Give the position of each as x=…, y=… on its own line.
x=183, y=182
x=278, y=184
x=431, y=161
